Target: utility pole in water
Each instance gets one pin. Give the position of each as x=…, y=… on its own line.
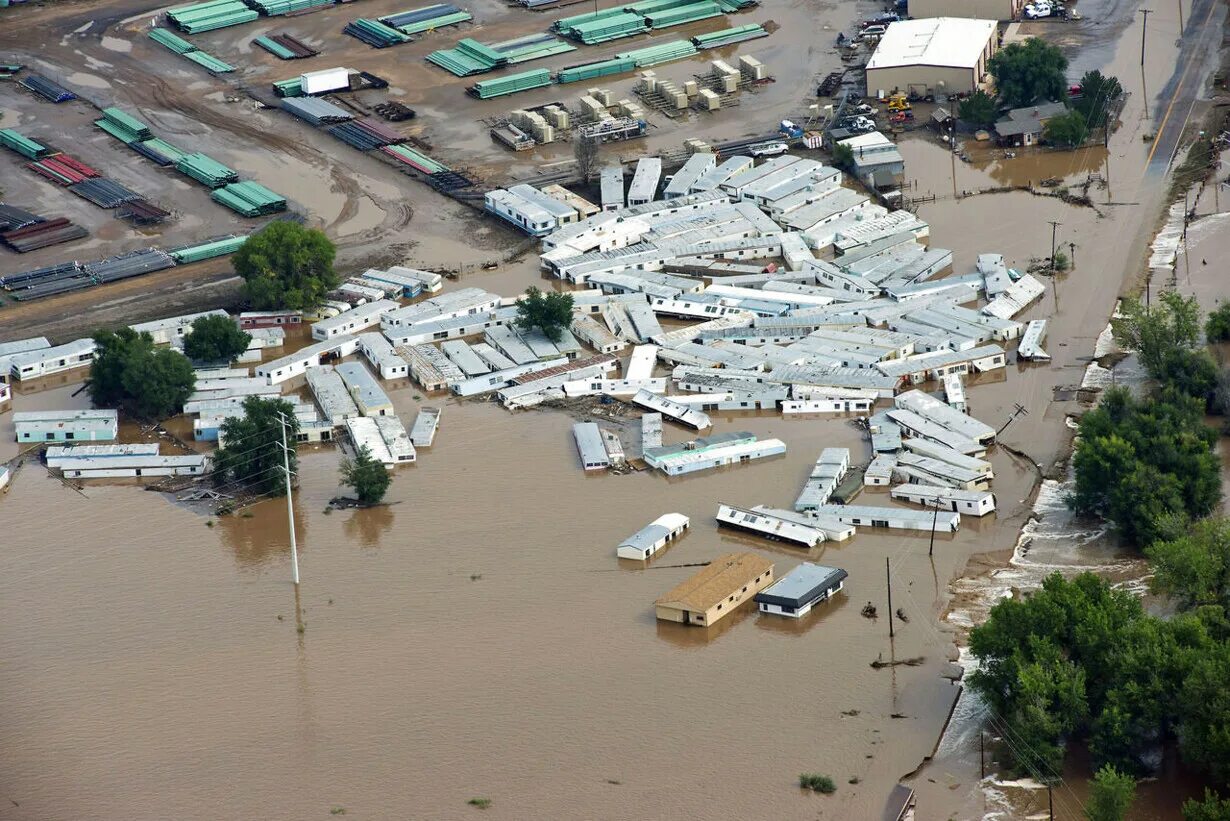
x=1144, y=27
x=290, y=512
x=888, y=576
x=1054, y=226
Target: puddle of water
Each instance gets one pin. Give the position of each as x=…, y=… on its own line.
x=88, y=80
x=116, y=44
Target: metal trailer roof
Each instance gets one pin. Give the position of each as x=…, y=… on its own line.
x=612, y=183
x=363, y=388
x=1031, y=341
x=1016, y=298
x=1002, y=328
x=931, y=408
x=906, y=518
x=762, y=522
x=331, y=395
x=561, y=211
x=491, y=356
x=802, y=586
x=425, y=425
x=920, y=426
x=945, y=473
x=696, y=165
x=87, y=415
x=589, y=446
x=644, y=186
x=712, y=180
x=463, y=357
x=680, y=413
x=396, y=440
x=656, y=531
x=936, y=493
x=365, y=434
x=503, y=339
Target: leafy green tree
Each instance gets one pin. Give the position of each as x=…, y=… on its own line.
x=1111, y=794
x=1145, y=464
x=215, y=338
x=551, y=312
x=843, y=157
x=1098, y=93
x=286, y=266
x=1204, y=725
x=144, y=381
x=251, y=452
x=1173, y=322
x=1217, y=326
x=1029, y=72
x=978, y=109
x=1195, y=567
x=1211, y=808
x=368, y=478
x=1190, y=373
x=1068, y=130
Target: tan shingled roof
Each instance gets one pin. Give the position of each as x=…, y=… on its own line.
x=717, y=581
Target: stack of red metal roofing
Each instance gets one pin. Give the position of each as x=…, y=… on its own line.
x=380, y=131
x=42, y=234
x=142, y=212
x=294, y=45
x=63, y=169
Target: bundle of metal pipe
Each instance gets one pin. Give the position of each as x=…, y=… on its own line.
x=42, y=234
x=47, y=89
x=103, y=192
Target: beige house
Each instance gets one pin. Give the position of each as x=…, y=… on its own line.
x=977, y=9
x=940, y=55
x=716, y=590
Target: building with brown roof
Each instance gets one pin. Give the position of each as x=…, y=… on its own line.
x=717, y=590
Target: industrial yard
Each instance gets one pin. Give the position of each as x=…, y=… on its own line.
x=782, y=388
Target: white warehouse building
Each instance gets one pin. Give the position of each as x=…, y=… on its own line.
x=938, y=55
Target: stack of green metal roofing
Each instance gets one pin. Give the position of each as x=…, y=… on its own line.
x=288, y=88
x=24, y=146
x=273, y=8
x=565, y=25
x=420, y=26
x=209, y=250
x=591, y=71
x=206, y=170
x=209, y=62
x=249, y=198
x=532, y=47
x=679, y=15
x=623, y=24
x=468, y=57
x=416, y=158
x=726, y=37
x=664, y=53
x=731, y=6
x=214, y=14
x=125, y=128
x=275, y=48
x=375, y=33
x=511, y=84
x=171, y=40
x=164, y=148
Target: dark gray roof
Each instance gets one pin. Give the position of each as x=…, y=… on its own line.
x=802, y=585
x=1028, y=120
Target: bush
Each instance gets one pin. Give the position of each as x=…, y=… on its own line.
x=817, y=782
x=481, y=803
x=1066, y=130
x=1028, y=72
x=978, y=109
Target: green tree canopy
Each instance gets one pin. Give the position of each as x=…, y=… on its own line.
x=128, y=372
x=1110, y=795
x=1098, y=93
x=1211, y=808
x=1067, y=130
x=215, y=338
x=1217, y=326
x=843, y=157
x=551, y=312
x=251, y=452
x=1194, y=567
x=1172, y=322
x=979, y=109
x=1029, y=72
x=286, y=265
x=368, y=478
x=1140, y=463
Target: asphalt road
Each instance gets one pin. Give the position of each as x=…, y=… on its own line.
x=1200, y=42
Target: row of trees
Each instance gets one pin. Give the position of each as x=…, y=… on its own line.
x=1081, y=660
x=1034, y=72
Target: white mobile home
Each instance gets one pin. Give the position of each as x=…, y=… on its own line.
x=66, y=426
x=46, y=361
x=680, y=413
x=335, y=402
x=278, y=371
x=165, y=331
x=380, y=352
x=892, y=517
x=589, y=445
x=423, y=433
x=768, y=526
x=365, y=390
x=357, y=319
x=653, y=537
x=969, y=502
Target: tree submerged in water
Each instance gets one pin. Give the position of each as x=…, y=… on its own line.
x=368, y=478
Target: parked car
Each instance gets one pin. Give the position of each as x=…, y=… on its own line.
x=872, y=31
x=768, y=149
x=1038, y=10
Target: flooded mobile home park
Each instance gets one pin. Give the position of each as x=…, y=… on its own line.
x=779, y=393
